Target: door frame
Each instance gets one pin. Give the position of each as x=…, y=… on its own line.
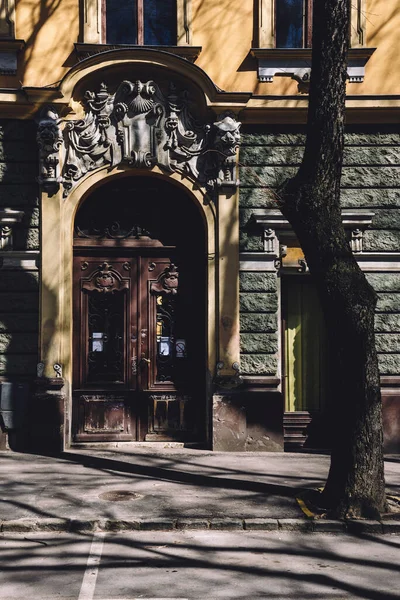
x=221, y=228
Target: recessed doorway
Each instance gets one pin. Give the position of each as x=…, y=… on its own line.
x=139, y=292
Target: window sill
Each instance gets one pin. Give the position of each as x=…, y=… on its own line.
x=9, y=49
x=83, y=50
x=296, y=62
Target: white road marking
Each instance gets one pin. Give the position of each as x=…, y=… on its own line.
x=92, y=568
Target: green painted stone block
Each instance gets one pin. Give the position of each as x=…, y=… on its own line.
x=389, y=364
x=15, y=322
x=271, y=155
x=18, y=172
x=387, y=323
x=26, y=239
x=16, y=281
x=16, y=129
x=388, y=303
x=253, y=322
x=381, y=241
x=387, y=342
x=371, y=139
x=255, y=343
x=372, y=155
x=250, y=243
x=18, y=364
x=257, y=282
x=255, y=197
x=19, y=195
x=265, y=138
x=19, y=301
x=17, y=150
x=369, y=198
x=371, y=177
x=31, y=218
x=258, y=138
x=388, y=218
x=259, y=364
x=245, y=215
x=21, y=343
x=384, y=282
x=266, y=176
x=258, y=302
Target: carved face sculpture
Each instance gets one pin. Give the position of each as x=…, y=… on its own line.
x=227, y=136
x=47, y=135
x=172, y=122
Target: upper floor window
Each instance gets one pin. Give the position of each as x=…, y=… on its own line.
x=293, y=28
x=285, y=36
x=288, y=23
x=142, y=22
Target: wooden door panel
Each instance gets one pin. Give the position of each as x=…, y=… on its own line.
x=104, y=348
x=131, y=371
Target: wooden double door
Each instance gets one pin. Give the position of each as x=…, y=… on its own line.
x=138, y=351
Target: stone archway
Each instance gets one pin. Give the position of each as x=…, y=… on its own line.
x=137, y=129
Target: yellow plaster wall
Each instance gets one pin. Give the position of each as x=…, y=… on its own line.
x=225, y=30
x=49, y=28
x=383, y=32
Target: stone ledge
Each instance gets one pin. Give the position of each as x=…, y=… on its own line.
x=261, y=524
x=389, y=526
x=363, y=526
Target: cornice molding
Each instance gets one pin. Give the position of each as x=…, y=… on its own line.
x=143, y=55
x=86, y=50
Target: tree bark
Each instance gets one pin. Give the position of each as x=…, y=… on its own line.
x=311, y=202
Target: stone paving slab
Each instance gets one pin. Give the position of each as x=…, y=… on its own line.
x=169, y=489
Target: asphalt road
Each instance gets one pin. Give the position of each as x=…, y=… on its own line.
x=199, y=565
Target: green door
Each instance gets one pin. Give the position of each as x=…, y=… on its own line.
x=305, y=347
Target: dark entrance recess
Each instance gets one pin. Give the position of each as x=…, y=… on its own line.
x=139, y=314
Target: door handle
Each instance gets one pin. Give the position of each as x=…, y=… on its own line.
x=147, y=361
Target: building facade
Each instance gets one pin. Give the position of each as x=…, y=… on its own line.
x=150, y=288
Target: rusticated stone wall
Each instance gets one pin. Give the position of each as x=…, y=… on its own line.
x=371, y=180
x=19, y=276
x=258, y=323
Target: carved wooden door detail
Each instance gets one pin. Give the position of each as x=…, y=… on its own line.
x=131, y=362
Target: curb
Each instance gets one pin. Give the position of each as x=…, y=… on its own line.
x=184, y=524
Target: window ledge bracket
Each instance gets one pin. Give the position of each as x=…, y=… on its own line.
x=296, y=62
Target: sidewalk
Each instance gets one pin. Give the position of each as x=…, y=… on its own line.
x=169, y=488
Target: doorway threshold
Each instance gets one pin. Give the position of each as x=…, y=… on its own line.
x=126, y=445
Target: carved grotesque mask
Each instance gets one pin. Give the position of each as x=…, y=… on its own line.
x=227, y=136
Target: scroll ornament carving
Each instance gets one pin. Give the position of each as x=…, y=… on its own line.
x=142, y=126
x=105, y=279
x=167, y=282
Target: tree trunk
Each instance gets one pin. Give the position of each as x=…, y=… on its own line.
x=311, y=202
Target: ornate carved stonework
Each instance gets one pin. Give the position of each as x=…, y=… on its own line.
x=140, y=125
x=167, y=282
x=226, y=145
x=105, y=279
x=49, y=139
